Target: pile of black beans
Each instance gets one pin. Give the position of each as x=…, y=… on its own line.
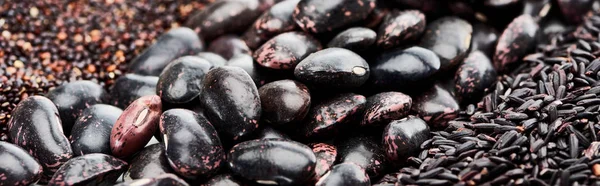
x=340, y=92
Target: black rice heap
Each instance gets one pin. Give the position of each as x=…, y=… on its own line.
x=46, y=43
x=538, y=126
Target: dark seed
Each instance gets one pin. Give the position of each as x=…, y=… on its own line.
x=400, y=27
x=285, y=51
x=436, y=106
x=277, y=20
x=385, y=107
x=181, y=80
x=130, y=87
x=316, y=16
x=165, y=179
x=450, y=39
x=332, y=115
x=473, y=76
x=326, y=155
x=364, y=152
x=229, y=46
x=91, y=132
x=224, y=17
x=94, y=169
x=271, y=161
x=401, y=138
x=148, y=163
x=231, y=102
x=191, y=144
x=516, y=40
x=356, y=39
x=404, y=69
x=19, y=168
x=284, y=102
x=36, y=127
x=333, y=68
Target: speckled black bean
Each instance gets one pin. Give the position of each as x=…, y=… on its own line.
x=148, y=163
x=404, y=69
x=364, y=151
x=356, y=39
x=89, y=169
x=402, y=138
x=484, y=39
x=181, y=80
x=285, y=51
x=273, y=161
x=171, y=45
x=333, y=68
x=473, y=76
x=332, y=115
x=400, y=27
x=17, y=167
x=162, y=180
x=191, y=144
x=91, y=132
x=36, y=127
x=231, y=102
x=436, y=106
x=74, y=97
x=130, y=87
x=345, y=174
x=223, y=17
x=136, y=125
x=385, y=107
x=284, y=102
x=229, y=46
x=214, y=59
x=318, y=16
x=515, y=42
x=275, y=21
x=449, y=38
x=326, y=155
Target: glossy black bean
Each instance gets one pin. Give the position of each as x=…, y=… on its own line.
x=214, y=59
x=484, y=39
x=364, y=151
x=404, y=69
x=356, y=39
x=319, y=16
x=450, y=39
x=231, y=102
x=473, y=76
x=36, y=127
x=430, y=7
x=333, y=114
x=91, y=132
x=74, y=97
x=275, y=21
x=285, y=51
x=516, y=40
x=345, y=174
x=130, y=87
x=148, y=163
x=223, y=17
x=385, y=107
x=18, y=167
x=181, y=80
x=223, y=180
x=229, y=46
x=175, y=43
x=162, y=180
x=273, y=161
x=401, y=138
x=333, y=68
x=400, y=27
x=89, y=169
x=191, y=144
x=284, y=102
x=136, y=125
x=436, y=106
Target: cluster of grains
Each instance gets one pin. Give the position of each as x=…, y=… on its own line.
x=539, y=125
x=46, y=43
